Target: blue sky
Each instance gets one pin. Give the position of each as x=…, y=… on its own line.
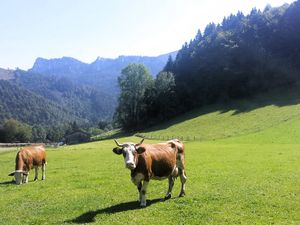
x=85, y=29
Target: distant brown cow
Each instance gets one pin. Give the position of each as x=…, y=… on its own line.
x=28, y=158
x=154, y=161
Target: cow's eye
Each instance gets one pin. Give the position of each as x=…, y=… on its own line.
x=124, y=154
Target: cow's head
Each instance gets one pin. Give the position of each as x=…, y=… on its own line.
x=129, y=151
x=19, y=175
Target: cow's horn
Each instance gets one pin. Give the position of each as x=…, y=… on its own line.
x=141, y=141
x=117, y=143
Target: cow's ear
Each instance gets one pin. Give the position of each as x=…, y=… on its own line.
x=117, y=150
x=140, y=150
x=11, y=174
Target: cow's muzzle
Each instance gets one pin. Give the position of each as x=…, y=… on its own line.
x=130, y=166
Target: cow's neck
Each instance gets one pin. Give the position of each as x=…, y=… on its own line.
x=20, y=163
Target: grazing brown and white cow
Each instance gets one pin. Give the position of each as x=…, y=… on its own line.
x=154, y=161
x=26, y=159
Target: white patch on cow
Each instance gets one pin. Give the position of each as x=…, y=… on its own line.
x=25, y=178
x=18, y=176
x=175, y=172
x=137, y=178
x=129, y=151
x=143, y=194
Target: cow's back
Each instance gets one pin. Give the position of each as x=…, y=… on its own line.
x=32, y=156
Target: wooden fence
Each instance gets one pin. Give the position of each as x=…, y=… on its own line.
x=6, y=145
x=168, y=137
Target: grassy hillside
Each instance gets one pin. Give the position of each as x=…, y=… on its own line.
x=278, y=110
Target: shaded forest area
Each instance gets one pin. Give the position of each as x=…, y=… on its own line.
x=243, y=56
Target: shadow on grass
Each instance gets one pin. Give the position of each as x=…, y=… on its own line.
x=7, y=182
x=89, y=217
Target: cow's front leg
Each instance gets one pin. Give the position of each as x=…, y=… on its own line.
x=25, y=178
x=171, y=184
x=143, y=193
x=139, y=186
x=137, y=180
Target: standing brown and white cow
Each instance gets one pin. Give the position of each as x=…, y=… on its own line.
x=154, y=161
x=28, y=158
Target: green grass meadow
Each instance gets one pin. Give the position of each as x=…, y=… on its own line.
x=238, y=118
x=246, y=170
x=227, y=184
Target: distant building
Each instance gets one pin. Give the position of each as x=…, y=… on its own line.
x=77, y=137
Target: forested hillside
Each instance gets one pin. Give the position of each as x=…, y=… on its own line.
x=243, y=56
x=85, y=102
x=27, y=107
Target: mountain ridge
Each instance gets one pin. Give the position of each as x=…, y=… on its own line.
x=102, y=74
x=70, y=88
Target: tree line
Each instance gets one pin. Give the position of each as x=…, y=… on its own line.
x=143, y=98
x=12, y=131
x=243, y=56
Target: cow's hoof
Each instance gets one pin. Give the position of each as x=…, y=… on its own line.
x=35, y=179
x=167, y=197
x=143, y=205
x=182, y=194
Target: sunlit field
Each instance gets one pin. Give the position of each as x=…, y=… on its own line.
x=228, y=183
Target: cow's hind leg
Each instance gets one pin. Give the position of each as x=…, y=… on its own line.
x=36, y=173
x=171, y=184
x=183, y=180
x=44, y=171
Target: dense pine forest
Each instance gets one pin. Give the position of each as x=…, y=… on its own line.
x=243, y=56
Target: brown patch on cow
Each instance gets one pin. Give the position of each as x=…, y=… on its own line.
x=29, y=157
x=157, y=160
